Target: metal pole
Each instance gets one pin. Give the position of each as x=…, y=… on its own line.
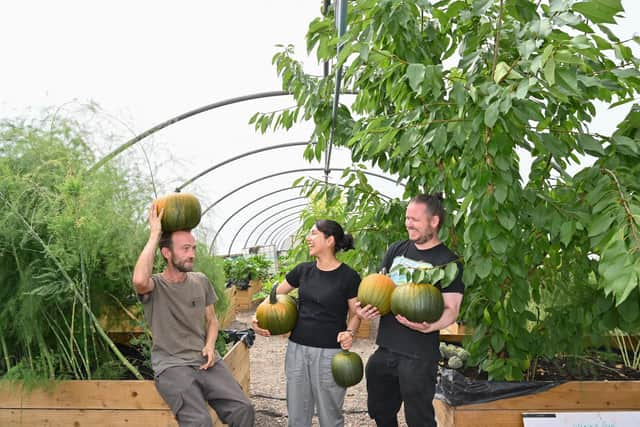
x=181, y=117
x=239, y=156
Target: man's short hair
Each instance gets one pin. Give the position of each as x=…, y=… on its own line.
x=166, y=241
x=433, y=202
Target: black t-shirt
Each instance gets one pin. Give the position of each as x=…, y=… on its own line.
x=395, y=336
x=322, y=303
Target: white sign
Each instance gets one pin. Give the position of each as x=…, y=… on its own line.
x=582, y=419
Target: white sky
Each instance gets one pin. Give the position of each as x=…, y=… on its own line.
x=144, y=62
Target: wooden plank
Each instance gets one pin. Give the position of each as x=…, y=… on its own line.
x=497, y=418
x=79, y=418
x=90, y=418
x=102, y=394
x=445, y=414
x=108, y=394
x=583, y=396
x=573, y=395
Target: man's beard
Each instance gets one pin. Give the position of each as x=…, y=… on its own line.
x=180, y=266
x=424, y=238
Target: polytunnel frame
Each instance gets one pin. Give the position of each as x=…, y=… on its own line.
x=262, y=211
x=284, y=224
x=262, y=178
x=341, y=23
x=250, y=203
x=278, y=241
x=275, y=224
x=246, y=243
x=130, y=143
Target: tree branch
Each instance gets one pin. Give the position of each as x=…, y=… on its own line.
x=625, y=206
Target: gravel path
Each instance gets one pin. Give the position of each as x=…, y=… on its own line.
x=268, y=389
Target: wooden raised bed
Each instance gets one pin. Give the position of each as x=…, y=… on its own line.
x=244, y=297
x=104, y=402
x=230, y=315
x=573, y=396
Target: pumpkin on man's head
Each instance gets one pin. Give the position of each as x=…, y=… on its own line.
x=182, y=211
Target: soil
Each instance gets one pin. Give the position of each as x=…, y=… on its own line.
x=268, y=385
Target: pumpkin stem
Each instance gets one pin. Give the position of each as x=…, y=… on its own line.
x=272, y=295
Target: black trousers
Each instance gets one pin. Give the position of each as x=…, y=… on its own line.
x=393, y=379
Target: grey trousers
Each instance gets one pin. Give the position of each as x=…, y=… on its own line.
x=188, y=389
x=310, y=383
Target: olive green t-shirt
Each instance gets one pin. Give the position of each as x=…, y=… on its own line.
x=176, y=315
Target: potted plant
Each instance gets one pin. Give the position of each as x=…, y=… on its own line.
x=246, y=274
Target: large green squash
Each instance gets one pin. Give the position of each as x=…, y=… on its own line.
x=375, y=289
x=418, y=302
x=278, y=313
x=181, y=211
x=347, y=368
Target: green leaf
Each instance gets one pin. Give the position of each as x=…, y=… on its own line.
x=523, y=89
x=626, y=144
x=491, y=114
x=483, y=268
x=590, y=144
x=599, y=11
x=568, y=57
x=567, y=79
x=507, y=219
x=416, y=73
x=567, y=230
x=502, y=69
x=499, y=244
x=450, y=273
x=549, y=72
x=628, y=310
x=480, y=7
x=497, y=342
x=500, y=192
x=459, y=94
x=600, y=224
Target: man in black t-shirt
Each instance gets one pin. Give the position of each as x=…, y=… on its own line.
x=404, y=367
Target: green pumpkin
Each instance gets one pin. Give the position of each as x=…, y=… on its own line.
x=278, y=313
x=181, y=211
x=347, y=368
x=418, y=302
x=376, y=289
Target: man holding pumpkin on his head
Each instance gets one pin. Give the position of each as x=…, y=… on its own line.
x=404, y=367
x=178, y=306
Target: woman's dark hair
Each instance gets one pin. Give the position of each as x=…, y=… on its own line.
x=328, y=227
x=433, y=202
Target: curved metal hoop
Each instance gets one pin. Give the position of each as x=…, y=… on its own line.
x=181, y=117
x=284, y=173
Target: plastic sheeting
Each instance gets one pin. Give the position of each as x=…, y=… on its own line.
x=455, y=389
x=248, y=336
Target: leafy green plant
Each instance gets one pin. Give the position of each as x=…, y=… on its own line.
x=453, y=96
x=242, y=269
x=68, y=243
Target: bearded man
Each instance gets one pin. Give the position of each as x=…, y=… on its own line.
x=403, y=369
x=178, y=306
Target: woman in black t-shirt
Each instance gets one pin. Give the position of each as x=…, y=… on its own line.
x=327, y=290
